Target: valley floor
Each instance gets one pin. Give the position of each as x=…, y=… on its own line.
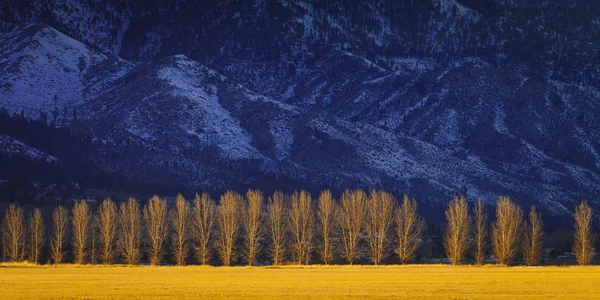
x=193, y=282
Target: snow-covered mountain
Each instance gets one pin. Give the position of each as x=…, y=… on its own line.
x=43, y=69
x=434, y=98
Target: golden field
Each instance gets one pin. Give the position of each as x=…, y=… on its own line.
x=392, y=282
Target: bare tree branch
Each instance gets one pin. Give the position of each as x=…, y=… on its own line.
x=409, y=228
x=507, y=230
x=584, y=234
x=277, y=227
x=228, y=219
x=327, y=209
x=204, y=218
x=380, y=218
x=180, y=217
x=157, y=226
x=457, y=231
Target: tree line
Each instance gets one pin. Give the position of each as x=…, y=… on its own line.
x=286, y=228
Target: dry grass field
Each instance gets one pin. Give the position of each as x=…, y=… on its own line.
x=194, y=282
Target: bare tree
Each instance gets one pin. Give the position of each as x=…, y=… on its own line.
x=204, y=218
x=180, y=221
x=533, y=248
x=480, y=238
x=130, y=238
x=409, y=228
x=327, y=209
x=94, y=221
x=157, y=226
x=507, y=230
x=81, y=226
x=228, y=220
x=4, y=242
x=15, y=233
x=37, y=230
x=584, y=234
x=277, y=229
x=301, y=223
x=353, y=211
x=253, y=223
x=60, y=227
x=380, y=218
x=107, y=227
x=457, y=231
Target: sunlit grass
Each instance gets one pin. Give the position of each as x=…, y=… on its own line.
x=28, y=281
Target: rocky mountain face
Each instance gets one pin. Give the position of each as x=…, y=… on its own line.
x=432, y=98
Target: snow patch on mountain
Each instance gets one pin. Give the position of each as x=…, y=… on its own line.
x=452, y=7
x=448, y=133
x=218, y=126
x=12, y=147
x=283, y=137
x=43, y=70
x=499, y=120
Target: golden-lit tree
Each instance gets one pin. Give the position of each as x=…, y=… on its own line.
x=534, y=235
x=157, y=226
x=277, y=226
x=584, y=234
x=301, y=224
x=507, y=230
x=129, y=239
x=3, y=239
x=37, y=230
x=228, y=218
x=94, y=238
x=253, y=223
x=327, y=208
x=107, y=229
x=204, y=218
x=180, y=221
x=14, y=225
x=60, y=227
x=81, y=230
x=456, y=240
x=480, y=232
x=380, y=218
x=352, y=216
x=409, y=229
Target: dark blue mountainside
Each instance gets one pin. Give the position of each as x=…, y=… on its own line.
x=432, y=98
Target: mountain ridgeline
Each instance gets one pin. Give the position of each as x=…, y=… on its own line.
x=431, y=98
